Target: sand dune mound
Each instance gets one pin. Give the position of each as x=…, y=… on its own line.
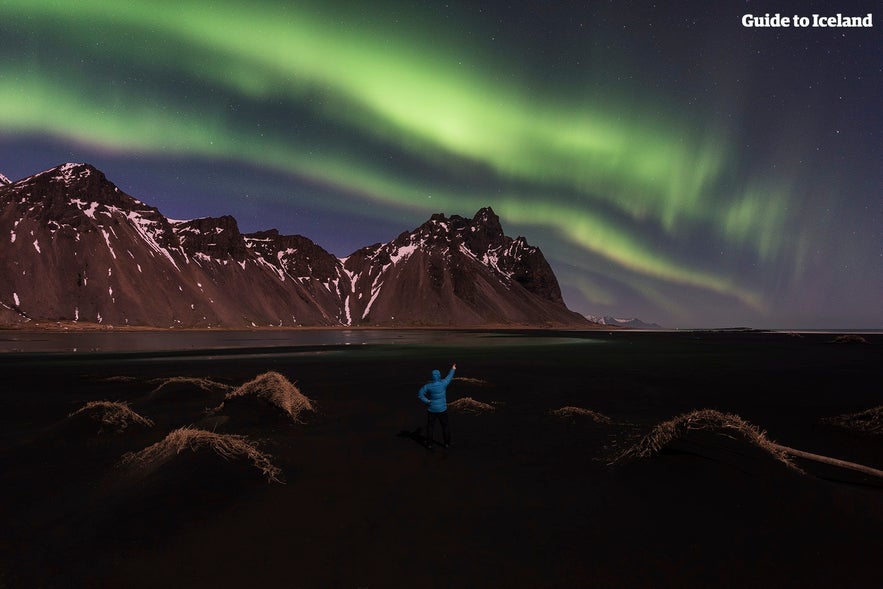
x=270, y=389
x=112, y=416
x=471, y=406
x=869, y=421
x=708, y=420
x=571, y=412
x=188, y=439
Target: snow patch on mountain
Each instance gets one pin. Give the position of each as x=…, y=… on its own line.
x=87, y=208
x=404, y=252
x=150, y=230
x=376, y=287
x=107, y=240
x=272, y=268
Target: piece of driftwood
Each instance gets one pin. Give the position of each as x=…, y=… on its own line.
x=831, y=461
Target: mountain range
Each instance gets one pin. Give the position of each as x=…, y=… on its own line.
x=631, y=322
x=78, y=249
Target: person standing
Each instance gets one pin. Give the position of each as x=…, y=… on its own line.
x=434, y=395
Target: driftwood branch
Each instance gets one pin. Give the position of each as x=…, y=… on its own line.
x=831, y=461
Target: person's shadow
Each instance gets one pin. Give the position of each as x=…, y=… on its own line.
x=416, y=435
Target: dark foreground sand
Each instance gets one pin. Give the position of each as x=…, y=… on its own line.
x=524, y=498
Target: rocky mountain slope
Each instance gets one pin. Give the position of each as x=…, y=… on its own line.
x=76, y=248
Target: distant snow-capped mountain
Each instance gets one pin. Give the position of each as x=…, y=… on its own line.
x=79, y=249
x=4, y=180
x=632, y=323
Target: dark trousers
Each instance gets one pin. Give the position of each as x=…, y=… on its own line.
x=430, y=426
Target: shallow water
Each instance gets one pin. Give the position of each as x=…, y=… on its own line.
x=154, y=341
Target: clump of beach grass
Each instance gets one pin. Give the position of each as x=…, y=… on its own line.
x=204, y=384
x=227, y=446
x=470, y=405
x=727, y=424
x=730, y=425
x=273, y=388
x=850, y=338
x=470, y=380
x=115, y=416
x=119, y=379
x=570, y=412
x=869, y=421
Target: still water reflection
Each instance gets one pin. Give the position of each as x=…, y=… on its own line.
x=155, y=341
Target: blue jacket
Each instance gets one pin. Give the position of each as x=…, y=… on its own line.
x=433, y=393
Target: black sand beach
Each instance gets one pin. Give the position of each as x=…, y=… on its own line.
x=525, y=497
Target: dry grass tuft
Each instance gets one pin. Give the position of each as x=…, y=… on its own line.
x=470, y=405
x=869, y=421
x=227, y=446
x=850, y=338
x=112, y=415
x=204, y=384
x=469, y=380
x=119, y=379
x=575, y=412
x=277, y=390
x=705, y=419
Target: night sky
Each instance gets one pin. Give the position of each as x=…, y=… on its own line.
x=671, y=163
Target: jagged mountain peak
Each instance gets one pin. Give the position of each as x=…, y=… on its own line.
x=75, y=169
x=485, y=232
x=437, y=224
x=79, y=197
x=77, y=181
x=481, y=232
x=71, y=182
x=4, y=181
x=70, y=174
x=480, y=237
x=487, y=218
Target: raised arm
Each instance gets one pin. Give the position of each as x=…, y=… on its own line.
x=450, y=375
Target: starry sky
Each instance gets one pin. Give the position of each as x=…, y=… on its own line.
x=671, y=163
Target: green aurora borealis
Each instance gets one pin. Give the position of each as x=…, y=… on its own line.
x=688, y=187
